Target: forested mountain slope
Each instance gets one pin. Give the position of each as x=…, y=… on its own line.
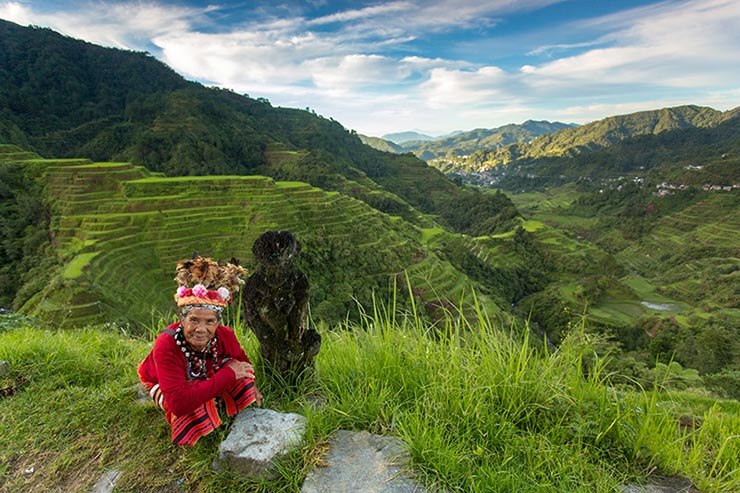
x=683, y=156
x=597, y=135
x=482, y=138
x=66, y=98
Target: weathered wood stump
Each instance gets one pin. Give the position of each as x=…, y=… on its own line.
x=275, y=306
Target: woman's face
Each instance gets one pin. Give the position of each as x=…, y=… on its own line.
x=199, y=326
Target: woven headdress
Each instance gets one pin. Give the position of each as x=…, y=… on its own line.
x=212, y=283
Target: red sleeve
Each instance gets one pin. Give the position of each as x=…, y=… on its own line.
x=230, y=346
x=183, y=396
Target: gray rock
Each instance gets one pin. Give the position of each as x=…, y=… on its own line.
x=316, y=402
x=657, y=484
x=363, y=462
x=257, y=439
x=142, y=397
x=107, y=482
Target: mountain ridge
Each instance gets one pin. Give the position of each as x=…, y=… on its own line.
x=597, y=135
x=400, y=138
x=482, y=138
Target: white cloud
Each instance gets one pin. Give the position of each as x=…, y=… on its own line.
x=355, y=71
x=16, y=12
x=441, y=15
x=547, y=49
x=367, y=12
x=128, y=25
x=448, y=88
x=242, y=57
x=673, y=44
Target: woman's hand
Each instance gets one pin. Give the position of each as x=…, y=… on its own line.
x=241, y=369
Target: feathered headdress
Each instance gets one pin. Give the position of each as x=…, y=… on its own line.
x=212, y=282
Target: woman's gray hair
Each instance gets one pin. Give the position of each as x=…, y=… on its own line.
x=186, y=309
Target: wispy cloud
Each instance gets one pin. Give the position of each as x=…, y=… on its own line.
x=127, y=25
x=673, y=44
x=552, y=49
x=670, y=46
x=364, y=13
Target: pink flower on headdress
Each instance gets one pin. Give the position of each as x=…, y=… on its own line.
x=199, y=290
x=181, y=291
x=223, y=293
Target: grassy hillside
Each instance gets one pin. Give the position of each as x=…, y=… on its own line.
x=492, y=414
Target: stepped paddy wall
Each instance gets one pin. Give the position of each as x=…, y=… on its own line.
x=119, y=229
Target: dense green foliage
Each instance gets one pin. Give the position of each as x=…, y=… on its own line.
x=51, y=83
x=480, y=411
x=657, y=277
x=26, y=254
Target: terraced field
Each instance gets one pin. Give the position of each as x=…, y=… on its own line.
x=120, y=229
x=543, y=202
x=694, y=255
x=688, y=264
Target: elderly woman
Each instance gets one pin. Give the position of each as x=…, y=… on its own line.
x=197, y=363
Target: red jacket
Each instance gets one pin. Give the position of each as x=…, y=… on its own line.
x=167, y=366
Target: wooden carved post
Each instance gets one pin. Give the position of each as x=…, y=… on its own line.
x=275, y=306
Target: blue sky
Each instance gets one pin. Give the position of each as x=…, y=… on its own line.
x=433, y=66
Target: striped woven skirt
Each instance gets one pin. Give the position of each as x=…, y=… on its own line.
x=187, y=429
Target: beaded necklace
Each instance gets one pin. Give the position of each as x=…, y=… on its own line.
x=197, y=359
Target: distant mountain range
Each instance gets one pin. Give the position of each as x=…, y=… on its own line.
x=708, y=153
x=403, y=137
x=590, y=138
x=529, y=144
x=461, y=142
x=381, y=144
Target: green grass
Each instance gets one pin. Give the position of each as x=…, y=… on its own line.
x=479, y=410
x=532, y=226
x=428, y=233
x=73, y=269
